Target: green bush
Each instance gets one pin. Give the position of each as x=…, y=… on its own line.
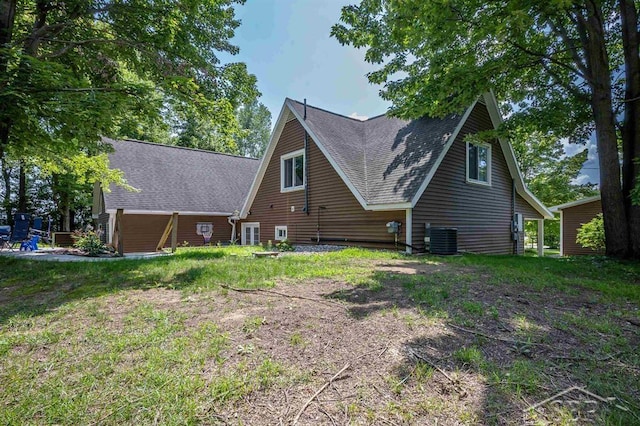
x=89, y=242
x=284, y=246
x=591, y=234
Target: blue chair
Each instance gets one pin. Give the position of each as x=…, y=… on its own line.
x=31, y=244
x=20, y=230
x=5, y=235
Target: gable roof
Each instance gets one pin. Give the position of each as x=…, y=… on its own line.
x=386, y=162
x=178, y=179
x=575, y=203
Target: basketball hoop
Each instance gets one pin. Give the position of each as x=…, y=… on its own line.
x=207, y=237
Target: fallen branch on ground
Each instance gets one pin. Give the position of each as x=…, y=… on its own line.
x=501, y=339
x=318, y=392
x=277, y=293
x=582, y=390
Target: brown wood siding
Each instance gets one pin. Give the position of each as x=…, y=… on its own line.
x=482, y=214
x=141, y=233
x=572, y=219
x=343, y=216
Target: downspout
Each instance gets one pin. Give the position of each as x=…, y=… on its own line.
x=514, y=229
x=232, y=221
x=306, y=164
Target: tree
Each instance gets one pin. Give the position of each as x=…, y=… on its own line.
x=255, y=120
x=591, y=234
x=75, y=70
x=567, y=67
x=549, y=173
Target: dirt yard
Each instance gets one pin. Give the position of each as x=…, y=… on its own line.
x=419, y=343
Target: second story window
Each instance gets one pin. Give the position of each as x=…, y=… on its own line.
x=479, y=163
x=292, y=171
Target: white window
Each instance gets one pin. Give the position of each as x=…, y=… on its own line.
x=479, y=163
x=292, y=171
x=281, y=233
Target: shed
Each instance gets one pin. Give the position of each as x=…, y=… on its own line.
x=572, y=216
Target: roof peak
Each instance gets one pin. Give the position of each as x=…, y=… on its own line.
x=181, y=147
x=338, y=114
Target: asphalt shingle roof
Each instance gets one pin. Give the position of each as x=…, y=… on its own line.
x=178, y=179
x=385, y=158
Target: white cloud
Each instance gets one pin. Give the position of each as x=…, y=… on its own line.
x=581, y=179
x=358, y=116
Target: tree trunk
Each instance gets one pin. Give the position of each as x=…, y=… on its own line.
x=22, y=189
x=6, y=177
x=630, y=128
x=616, y=226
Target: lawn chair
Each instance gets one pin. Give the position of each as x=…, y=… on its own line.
x=20, y=230
x=5, y=234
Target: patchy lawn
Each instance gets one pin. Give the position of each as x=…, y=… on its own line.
x=216, y=337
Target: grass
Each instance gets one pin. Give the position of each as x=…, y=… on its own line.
x=136, y=342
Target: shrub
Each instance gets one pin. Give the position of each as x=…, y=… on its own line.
x=89, y=242
x=591, y=234
x=284, y=246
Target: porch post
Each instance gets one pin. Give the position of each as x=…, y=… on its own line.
x=540, y=237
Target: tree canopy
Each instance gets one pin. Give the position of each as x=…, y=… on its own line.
x=566, y=68
x=255, y=121
x=76, y=70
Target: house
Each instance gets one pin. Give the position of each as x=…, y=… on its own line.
x=203, y=187
x=387, y=182
x=572, y=216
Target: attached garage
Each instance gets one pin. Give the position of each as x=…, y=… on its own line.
x=204, y=188
x=572, y=216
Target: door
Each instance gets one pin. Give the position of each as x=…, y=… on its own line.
x=250, y=234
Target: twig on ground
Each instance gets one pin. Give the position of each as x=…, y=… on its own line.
x=609, y=400
x=440, y=370
x=323, y=411
x=318, y=392
x=277, y=293
x=502, y=339
x=384, y=350
x=585, y=358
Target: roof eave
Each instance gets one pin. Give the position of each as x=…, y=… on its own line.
x=576, y=203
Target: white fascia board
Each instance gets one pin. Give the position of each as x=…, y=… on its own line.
x=510, y=156
x=324, y=151
x=390, y=206
x=169, y=212
x=257, y=180
x=574, y=203
x=444, y=152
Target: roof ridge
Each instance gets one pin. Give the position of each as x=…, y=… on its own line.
x=338, y=114
x=184, y=148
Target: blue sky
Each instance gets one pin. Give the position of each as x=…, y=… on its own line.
x=286, y=44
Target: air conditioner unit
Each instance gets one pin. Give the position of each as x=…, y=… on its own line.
x=444, y=241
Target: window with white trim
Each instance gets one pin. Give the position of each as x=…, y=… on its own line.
x=479, y=163
x=292, y=171
x=281, y=233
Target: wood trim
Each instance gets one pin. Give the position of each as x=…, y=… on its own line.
x=165, y=235
x=408, y=238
